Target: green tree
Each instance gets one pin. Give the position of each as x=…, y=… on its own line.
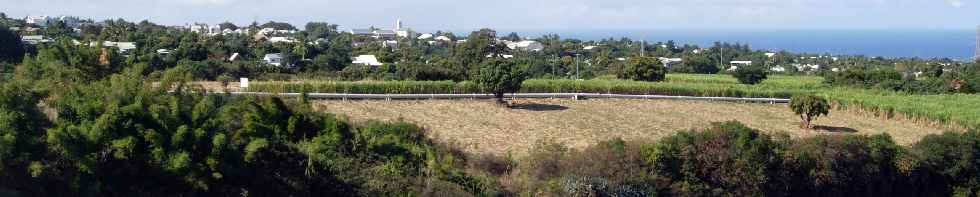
x=500, y=76
x=701, y=64
x=751, y=74
x=11, y=47
x=809, y=107
x=644, y=69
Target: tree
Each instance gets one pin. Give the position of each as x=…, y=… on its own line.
x=500, y=76
x=228, y=25
x=11, y=47
x=751, y=74
x=809, y=107
x=701, y=64
x=316, y=30
x=644, y=69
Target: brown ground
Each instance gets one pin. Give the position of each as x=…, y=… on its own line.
x=482, y=127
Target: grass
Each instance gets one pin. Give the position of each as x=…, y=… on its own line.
x=961, y=109
x=483, y=127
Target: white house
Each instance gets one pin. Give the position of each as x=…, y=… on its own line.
x=590, y=47
x=770, y=55
x=527, y=45
x=274, y=59
x=741, y=62
x=33, y=40
x=444, y=38
x=367, y=60
x=281, y=39
x=163, y=51
x=425, y=36
x=670, y=61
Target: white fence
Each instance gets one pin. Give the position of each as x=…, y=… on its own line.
x=345, y=96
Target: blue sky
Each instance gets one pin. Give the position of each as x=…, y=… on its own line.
x=461, y=15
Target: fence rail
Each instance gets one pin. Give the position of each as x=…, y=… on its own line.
x=515, y=95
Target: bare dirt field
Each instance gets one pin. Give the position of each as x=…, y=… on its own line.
x=480, y=126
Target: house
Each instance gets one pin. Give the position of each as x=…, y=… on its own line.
x=281, y=39
x=444, y=39
x=233, y=57
x=425, y=36
x=34, y=40
x=390, y=44
x=274, y=59
x=367, y=60
x=741, y=62
x=770, y=55
x=590, y=47
x=124, y=47
x=384, y=34
x=362, y=32
x=527, y=45
x=670, y=61
x=163, y=51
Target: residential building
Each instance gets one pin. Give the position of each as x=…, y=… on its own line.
x=124, y=47
x=425, y=36
x=274, y=59
x=526, y=45
x=741, y=62
x=444, y=38
x=34, y=39
x=390, y=44
x=367, y=60
x=281, y=39
x=668, y=62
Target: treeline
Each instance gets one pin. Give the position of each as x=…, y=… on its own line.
x=937, y=79
x=730, y=159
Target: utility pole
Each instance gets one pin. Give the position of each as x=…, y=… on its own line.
x=577, y=73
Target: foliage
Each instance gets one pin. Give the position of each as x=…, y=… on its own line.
x=500, y=76
x=11, y=47
x=750, y=74
x=644, y=69
x=809, y=107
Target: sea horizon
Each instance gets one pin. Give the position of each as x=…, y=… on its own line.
x=957, y=44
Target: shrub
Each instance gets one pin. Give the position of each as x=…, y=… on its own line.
x=726, y=159
x=751, y=74
x=809, y=107
x=644, y=69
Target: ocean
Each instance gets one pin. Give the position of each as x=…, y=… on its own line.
x=953, y=44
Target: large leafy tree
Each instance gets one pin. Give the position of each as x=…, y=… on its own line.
x=644, y=69
x=499, y=76
x=753, y=74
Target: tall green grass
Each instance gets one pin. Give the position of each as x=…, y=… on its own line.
x=962, y=109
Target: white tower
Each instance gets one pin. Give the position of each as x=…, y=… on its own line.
x=398, y=24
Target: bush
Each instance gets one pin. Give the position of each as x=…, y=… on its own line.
x=726, y=159
x=751, y=74
x=644, y=69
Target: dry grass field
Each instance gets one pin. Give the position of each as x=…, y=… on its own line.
x=480, y=126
